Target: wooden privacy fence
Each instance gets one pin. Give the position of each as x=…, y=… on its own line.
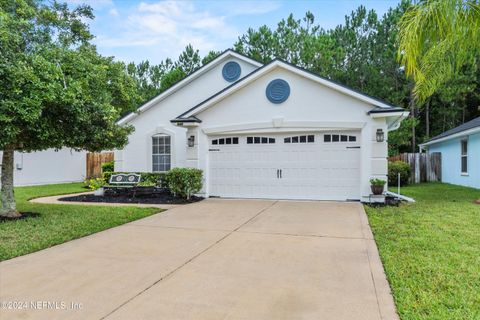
x=424, y=167
x=95, y=161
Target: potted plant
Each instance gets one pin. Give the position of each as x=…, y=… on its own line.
x=377, y=186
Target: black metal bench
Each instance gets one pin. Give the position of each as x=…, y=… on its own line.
x=122, y=184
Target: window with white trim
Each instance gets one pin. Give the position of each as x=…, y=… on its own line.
x=464, y=156
x=161, y=153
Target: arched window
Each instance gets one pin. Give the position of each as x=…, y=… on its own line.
x=161, y=153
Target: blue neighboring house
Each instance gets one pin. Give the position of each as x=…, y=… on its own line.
x=460, y=149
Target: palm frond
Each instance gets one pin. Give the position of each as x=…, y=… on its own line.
x=436, y=39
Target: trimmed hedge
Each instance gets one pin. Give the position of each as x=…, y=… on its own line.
x=108, y=166
x=184, y=182
x=396, y=167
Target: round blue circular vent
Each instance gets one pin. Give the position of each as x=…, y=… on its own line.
x=231, y=71
x=278, y=91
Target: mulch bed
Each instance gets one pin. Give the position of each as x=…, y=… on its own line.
x=156, y=198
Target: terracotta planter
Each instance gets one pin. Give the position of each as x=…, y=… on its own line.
x=377, y=189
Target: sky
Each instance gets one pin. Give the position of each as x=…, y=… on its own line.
x=154, y=30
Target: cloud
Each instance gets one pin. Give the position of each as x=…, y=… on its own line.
x=152, y=24
x=172, y=15
x=166, y=7
x=253, y=7
x=124, y=41
x=113, y=12
x=95, y=4
x=169, y=26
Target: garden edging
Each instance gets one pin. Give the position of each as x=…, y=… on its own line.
x=55, y=200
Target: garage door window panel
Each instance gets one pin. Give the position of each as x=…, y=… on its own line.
x=225, y=141
x=300, y=139
x=338, y=138
x=260, y=140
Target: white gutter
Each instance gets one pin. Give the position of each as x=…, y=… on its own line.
x=453, y=136
x=388, y=114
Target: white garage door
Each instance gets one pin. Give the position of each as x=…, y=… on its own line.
x=322, y=166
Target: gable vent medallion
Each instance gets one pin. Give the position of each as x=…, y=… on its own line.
x=231, y=71
x=278, y=91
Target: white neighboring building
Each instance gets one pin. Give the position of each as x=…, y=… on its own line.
x=264, y=131
x=48, y=167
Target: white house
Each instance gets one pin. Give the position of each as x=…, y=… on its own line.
x=48, y=167
x=264, y=131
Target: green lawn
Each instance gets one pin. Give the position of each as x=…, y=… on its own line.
x=431, y=251
x=58, y=223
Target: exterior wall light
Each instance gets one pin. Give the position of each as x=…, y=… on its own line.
x=191, y=141
x=380, y=135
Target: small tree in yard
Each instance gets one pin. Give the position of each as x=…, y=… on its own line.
x=55, y=90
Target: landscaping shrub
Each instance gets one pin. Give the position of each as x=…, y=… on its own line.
x=108, y=166
x=153, y=179
x=396, y=167
x=184, y=182
x=94, y=183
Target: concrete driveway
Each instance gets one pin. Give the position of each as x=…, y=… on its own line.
x=217, y=259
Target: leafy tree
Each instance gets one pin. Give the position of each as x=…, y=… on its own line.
x=152, y=80
x=56, y=91
x=211, y=55
x=257, y=44
x=189, y=60
x=149, y=77
x=437, y=39
x=172, y=77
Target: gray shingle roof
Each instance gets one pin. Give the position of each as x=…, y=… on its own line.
x=466, y=126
